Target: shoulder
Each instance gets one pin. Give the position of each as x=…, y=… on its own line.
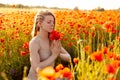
x=34, y=41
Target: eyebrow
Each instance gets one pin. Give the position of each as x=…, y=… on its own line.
x=50, y=20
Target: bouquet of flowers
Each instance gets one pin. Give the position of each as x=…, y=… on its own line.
x=55, y=35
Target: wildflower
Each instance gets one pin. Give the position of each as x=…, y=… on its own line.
x=111, y=55
x=118, y=57
x=111, y=46
x=67, y=73
x=54, y=35
x=27, y=32
x=25, y=45
x=23, y=53
x=93, y=34
x=111, y=79
x=109, y=26
x=97, y=56
x=87, y=49
x=59, y=67
x=47, y=73
x=105, y=50
x=69, y=44
x=110, y=69
x=118, y=38
x=116, y=63
x=75, y=60
x=12, y=71
x=2, y=40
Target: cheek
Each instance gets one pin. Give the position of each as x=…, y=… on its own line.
x=44, y=27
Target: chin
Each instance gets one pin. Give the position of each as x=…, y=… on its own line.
x=50, y=30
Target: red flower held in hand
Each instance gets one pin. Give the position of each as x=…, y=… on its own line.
x=54, y=35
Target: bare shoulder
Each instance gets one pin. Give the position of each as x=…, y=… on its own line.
x=34, y=41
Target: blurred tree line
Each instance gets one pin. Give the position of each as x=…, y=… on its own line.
x=25, y=6
x=96, y=9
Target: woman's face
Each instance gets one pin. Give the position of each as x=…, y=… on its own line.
x=48, y=23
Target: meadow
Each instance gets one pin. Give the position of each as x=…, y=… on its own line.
x=92, y=38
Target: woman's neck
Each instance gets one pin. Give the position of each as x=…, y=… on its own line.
x=43, y=35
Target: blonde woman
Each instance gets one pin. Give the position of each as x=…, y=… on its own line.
x=44, y=52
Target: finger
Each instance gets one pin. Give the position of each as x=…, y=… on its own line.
x=59, y=44
x=52, y=44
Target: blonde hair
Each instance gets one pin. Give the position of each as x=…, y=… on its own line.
x=39, y=18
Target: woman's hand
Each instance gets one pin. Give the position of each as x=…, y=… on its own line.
x=56, y=47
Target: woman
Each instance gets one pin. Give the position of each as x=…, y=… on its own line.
x=44, y=52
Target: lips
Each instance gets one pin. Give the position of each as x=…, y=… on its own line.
x=51, y=28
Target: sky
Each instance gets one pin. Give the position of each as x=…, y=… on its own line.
x=81, y=4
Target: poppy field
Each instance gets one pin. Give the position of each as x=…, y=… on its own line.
x=92, y=38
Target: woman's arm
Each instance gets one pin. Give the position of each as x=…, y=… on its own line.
x=64, y=55
x=35, y=58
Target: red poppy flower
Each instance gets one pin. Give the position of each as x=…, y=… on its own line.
x=67, y=73
x=75, y=60
x=59, y=67
x=23, y=53
x=25, y=45
x=97, y=56
x=110, y=68
x=54, y=35
x=2, y=40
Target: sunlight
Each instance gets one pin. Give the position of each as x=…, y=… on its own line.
x=81, y=4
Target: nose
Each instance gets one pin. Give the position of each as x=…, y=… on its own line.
x=52, y=24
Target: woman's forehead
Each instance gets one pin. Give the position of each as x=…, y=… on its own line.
x=49, y=17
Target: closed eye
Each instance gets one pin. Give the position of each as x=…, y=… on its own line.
x=49, y=22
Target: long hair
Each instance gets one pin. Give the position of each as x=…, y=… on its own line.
x=39, y=18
